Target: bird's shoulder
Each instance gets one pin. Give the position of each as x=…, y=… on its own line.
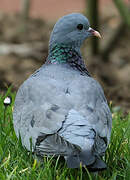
x=55, y=80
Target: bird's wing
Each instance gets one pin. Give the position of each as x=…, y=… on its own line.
x=103, y=123
x=38, y=115
x=90, y=121
x=100, y=118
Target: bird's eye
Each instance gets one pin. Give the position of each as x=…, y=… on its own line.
x=80, y=26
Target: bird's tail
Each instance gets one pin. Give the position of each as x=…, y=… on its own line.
x=88, y=159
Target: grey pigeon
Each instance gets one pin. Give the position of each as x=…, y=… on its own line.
x=60, y=107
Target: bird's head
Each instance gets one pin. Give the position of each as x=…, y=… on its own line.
x=71, y=30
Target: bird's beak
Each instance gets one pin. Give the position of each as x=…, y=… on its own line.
x=94, y=33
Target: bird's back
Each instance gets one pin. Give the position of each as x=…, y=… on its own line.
x=77, y=99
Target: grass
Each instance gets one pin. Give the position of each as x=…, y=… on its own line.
x=17, y=164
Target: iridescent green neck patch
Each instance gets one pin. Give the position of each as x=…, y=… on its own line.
x=60, y=54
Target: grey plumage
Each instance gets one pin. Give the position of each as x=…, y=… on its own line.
x=61, y=108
